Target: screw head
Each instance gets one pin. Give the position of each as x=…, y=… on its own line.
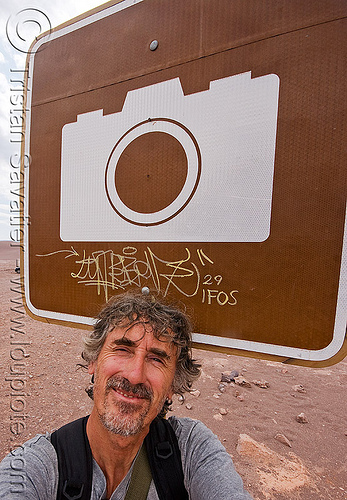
x=153, y=45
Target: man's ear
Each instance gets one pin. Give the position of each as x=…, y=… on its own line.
x=91, y=368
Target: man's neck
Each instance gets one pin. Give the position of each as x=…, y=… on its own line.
x=113, y=453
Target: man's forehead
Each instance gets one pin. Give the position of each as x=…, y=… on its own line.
x=140, y=328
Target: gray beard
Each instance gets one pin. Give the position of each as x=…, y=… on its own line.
x=123, y=418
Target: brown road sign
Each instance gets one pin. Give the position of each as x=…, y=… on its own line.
x=197, y=148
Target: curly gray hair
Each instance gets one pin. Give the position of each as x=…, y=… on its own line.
x=168, y=322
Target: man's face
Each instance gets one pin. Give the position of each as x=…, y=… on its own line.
x=133, y=377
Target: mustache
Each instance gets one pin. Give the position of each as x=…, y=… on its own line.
x=123, y=384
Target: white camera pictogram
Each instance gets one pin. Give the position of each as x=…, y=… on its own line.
x=173, y=167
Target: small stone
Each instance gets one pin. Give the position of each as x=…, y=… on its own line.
x=263, y=384
x=218, y=416
x=195, y=393
x=239, y=396
x=299, y=388
x=229, y=376
x=242, y=382
x=181, y=398
x=189, y=406
x=223, y=411
x=282, y=439
x=301, y=418
x=221, y=387
x=284, y=370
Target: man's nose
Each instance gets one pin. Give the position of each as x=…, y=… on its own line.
x=135, y=370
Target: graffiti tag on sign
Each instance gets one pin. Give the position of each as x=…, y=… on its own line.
x=107, y=270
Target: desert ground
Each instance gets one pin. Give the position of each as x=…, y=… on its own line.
x=285, y=426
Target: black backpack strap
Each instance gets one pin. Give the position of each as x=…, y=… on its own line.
x=75, y=461
x=164, y=457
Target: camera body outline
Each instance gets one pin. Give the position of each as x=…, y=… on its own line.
x=228, y=133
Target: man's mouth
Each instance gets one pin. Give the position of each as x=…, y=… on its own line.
x=129, y=391
x=127, y=395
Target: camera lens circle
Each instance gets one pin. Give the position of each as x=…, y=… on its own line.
x=153, y=172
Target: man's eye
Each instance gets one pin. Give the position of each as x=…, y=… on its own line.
x=121, y=350
x=157, y=360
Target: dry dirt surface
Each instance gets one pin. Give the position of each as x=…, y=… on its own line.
x=284, y=426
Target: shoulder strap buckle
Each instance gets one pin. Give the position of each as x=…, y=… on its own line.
x=164, y=450
x=72, y=491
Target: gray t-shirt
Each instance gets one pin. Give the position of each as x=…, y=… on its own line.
x=31, y=471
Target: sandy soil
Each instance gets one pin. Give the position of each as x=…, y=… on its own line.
x=277, y=456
